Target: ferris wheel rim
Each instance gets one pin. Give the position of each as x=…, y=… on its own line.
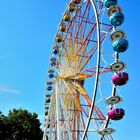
x=98, y=68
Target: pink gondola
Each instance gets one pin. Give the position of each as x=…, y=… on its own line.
x=120, y=78
x=116, y=114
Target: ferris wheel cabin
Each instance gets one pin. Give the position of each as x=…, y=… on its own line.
x=120, y=79
x=116, y=114
x=109, y=3
x=120, y=45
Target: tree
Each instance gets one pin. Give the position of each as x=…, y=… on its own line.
x=2, y=125
x=23, y=125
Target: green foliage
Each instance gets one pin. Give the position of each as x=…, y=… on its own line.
x=2, y=125
x=20, y=125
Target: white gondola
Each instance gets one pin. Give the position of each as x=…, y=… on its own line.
x=117, y=66
x=106, y=131
x=114, y=100
x=114, y=9
x=118, y=34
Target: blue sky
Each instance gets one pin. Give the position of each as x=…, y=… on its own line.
x=27, y=29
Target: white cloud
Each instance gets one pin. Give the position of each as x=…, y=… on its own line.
x=4, y=89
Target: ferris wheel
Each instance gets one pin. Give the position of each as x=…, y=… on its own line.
x=85, y=76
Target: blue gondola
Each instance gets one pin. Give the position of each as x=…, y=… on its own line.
x=51, y=71
x=53, y=63
x=53, y=59
x=49, y=88
x=120, y=45
x=46, y=107
x=109, y=3
x=48, y=100
x=51, y=75
x=48, y=126
x=46, y=113
x=117, y=19
x=48, y=95
x=55, y=51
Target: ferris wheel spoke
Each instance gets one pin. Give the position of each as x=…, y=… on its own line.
x=88, y=101
x=77, y=26
x=77, y=116
x=79, y=49
x=86, y=56
x=83, y=129
x=81, y=29
x=85, y=39
x=91, y=52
